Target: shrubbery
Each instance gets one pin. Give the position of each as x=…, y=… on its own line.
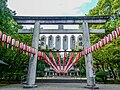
x=101, y=76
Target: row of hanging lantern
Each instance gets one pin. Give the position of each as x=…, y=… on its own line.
x=95, y=47
x=58, y=42
x=7, y=41
x=29, y=50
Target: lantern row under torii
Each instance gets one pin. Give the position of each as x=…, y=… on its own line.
x=43, y=41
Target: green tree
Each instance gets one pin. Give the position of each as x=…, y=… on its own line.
x=17, y=61
x=107, y=58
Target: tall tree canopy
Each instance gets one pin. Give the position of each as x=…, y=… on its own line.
x=108, y=57
x=17, y=63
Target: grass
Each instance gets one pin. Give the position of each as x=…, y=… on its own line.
x=1, y=85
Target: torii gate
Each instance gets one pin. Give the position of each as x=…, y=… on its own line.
x=60, y=20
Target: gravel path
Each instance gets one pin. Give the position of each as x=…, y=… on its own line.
x=62, y=86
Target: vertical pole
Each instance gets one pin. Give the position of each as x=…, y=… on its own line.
x=88, y=57
x=33, y=59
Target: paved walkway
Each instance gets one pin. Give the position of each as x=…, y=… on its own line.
x=62, y=86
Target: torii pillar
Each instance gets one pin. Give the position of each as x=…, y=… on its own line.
x=33, y=59
x=88, y=57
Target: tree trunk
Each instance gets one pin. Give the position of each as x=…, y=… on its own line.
x=103, y=67
x=83, y=67
x=114, y=75
x=97, y=66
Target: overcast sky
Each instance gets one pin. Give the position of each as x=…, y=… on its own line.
x=51, y=7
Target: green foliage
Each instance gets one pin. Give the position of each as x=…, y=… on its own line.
x=98, y=79
x=101, y=76
x=7, y=24
x=40, y=68
x=18, y=62
x=106, y=58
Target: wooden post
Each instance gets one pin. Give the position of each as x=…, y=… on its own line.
x=33, y=59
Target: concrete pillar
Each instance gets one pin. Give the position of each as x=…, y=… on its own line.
x=88, y=57
x=33, y=59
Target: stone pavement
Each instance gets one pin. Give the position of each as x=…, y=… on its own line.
x=61, y=86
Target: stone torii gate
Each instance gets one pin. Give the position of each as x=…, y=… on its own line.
x=60, y=20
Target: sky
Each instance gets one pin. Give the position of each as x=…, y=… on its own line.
x=51, y=7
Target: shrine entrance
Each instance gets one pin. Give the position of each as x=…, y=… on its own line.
x=83, y=41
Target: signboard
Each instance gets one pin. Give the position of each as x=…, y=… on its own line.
x=50, y=42
x=57, y=42
x=80, y=42
x=43, y=42
x=72, y=42
x=65, y=42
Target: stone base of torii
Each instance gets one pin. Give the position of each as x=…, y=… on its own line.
x=60, y=20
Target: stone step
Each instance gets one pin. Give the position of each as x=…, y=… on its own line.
x=61, y=81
